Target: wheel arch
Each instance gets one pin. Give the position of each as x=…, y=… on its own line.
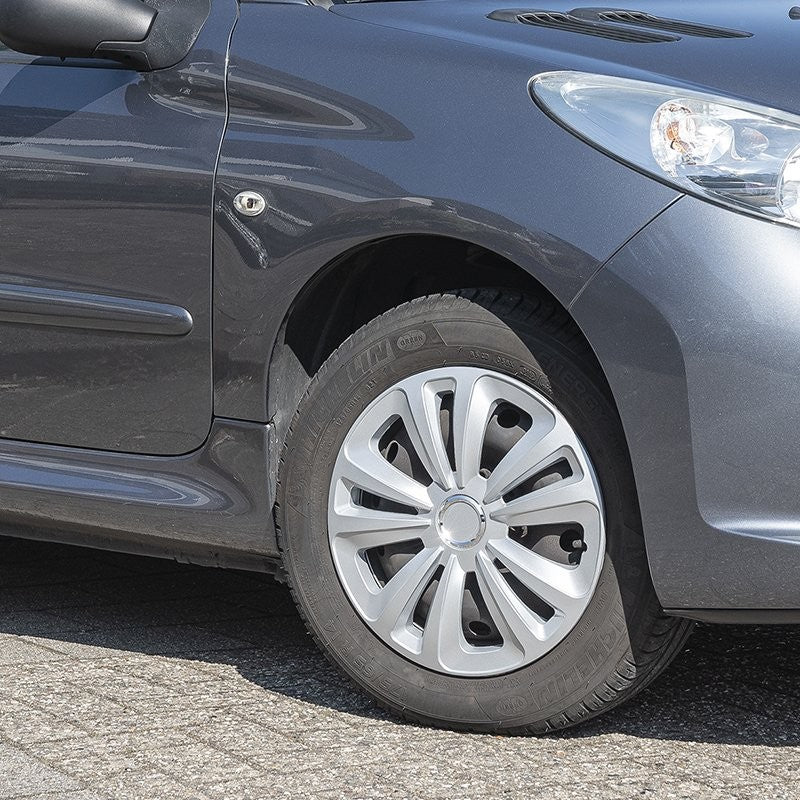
x=368, y=280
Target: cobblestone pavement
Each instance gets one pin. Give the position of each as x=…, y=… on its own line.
x=126, y=677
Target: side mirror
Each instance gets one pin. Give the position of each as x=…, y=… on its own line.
x=129, y=31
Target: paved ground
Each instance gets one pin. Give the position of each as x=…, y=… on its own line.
x=124, y=677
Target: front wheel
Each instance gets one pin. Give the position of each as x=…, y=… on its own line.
x=459, y=523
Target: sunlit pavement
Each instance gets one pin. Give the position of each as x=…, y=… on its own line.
x=126, y=677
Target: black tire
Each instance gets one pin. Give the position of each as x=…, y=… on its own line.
x=621, y=642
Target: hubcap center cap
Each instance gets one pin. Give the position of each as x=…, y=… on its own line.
x=460, y=521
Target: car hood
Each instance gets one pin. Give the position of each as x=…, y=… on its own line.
x=759, y=65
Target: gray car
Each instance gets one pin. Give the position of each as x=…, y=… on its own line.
x=478, y=325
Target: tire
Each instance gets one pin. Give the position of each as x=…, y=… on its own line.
x=617, y=643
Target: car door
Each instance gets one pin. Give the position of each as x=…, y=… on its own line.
x=106, y=194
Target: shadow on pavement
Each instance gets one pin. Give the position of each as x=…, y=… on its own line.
x=731, y=685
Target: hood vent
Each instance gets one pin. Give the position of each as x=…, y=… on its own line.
x=568, y=22
x=619, y=25
x=643, y=20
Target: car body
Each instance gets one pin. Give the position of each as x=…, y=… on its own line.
x=156, y=342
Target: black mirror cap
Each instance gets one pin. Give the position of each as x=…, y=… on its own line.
x=128, y=31
x=72, y=28
x=172, y=35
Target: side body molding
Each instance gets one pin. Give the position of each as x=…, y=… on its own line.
x=33, y=305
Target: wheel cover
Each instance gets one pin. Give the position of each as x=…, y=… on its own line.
x=474, y=586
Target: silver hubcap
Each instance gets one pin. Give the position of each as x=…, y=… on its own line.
x=465, y=521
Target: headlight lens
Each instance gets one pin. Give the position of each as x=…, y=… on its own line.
x=735, y=153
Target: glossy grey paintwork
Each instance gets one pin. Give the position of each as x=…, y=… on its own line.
x=346, y=155
x=758, y=68
x=110, y=173
x=696, y=325
x=382, y=119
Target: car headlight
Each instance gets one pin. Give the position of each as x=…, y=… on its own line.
x=735, y=153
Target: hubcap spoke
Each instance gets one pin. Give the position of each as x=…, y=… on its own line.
x=531, y=454
x=366, y=469
x=472, y=407
x=513, y=618
x=442, y=638
x=364, y=528
x=561, y=587
x=421, y=418
x=394, y=604
x=562, y=502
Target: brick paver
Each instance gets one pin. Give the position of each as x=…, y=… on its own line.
x=126, y=677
